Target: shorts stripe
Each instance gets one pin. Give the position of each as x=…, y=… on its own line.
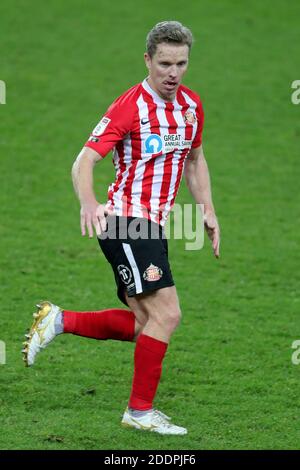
x=137, y=279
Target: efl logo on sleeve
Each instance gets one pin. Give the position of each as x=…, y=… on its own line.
x=100, y=128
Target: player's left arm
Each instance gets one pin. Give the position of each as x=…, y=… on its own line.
x=198, y=181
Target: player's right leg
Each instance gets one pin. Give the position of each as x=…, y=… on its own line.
x=143, y=275
x=50, y=320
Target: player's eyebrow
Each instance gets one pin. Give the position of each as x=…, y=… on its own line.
x=166, y=62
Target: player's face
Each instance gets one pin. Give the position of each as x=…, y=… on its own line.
x=166, y=69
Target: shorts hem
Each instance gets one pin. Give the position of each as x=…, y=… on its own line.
x=149, y=289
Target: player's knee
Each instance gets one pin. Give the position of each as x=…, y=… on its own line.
x=141, y=319
x=140, y=312
x=171, y=312
x=167, y=317
x=173, y=318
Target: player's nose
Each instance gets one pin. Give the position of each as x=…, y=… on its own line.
x=173, y=72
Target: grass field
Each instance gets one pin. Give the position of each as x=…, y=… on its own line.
x=228, y=374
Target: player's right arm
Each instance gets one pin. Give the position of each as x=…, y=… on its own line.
x=111, y=129
x=92, y=214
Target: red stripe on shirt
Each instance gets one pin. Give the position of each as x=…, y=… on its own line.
x=167, y=171
x=149, y=169
x=188, y=136
x=136, y=150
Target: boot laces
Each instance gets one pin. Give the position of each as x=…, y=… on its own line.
x=161, y=418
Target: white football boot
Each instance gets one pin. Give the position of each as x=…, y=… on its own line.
x=42, y=331
x=154, y=421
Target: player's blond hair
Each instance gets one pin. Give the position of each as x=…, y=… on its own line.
x=170, y=32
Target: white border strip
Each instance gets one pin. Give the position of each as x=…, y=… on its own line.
x=136, y=274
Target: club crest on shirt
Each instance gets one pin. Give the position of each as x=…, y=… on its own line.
x=190, y=117
x=152, y=273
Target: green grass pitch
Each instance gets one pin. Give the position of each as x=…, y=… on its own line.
x=228, y=375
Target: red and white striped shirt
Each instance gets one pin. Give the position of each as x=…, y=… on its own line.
x=150, y=139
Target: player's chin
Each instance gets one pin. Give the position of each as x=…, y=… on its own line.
x=169, y=94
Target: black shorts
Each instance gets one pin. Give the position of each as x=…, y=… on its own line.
x=137, y=250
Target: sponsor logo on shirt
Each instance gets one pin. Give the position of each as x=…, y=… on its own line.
x=101, y=126
x=152, y=273
x=155, y=143
x=173, y=141
x=94, y=139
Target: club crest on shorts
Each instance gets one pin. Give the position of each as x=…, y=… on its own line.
x=190, y=117
x=152, y=273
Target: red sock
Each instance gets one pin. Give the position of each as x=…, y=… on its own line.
x=114, y=323
x=148, y=357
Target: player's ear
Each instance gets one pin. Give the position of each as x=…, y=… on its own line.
x=147, y=60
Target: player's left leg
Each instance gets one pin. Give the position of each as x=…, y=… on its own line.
x=151, y=346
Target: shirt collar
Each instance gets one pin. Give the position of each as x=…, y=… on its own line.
x=153, y=93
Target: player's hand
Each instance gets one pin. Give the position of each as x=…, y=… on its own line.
x=213, y=231
x=92, y=217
